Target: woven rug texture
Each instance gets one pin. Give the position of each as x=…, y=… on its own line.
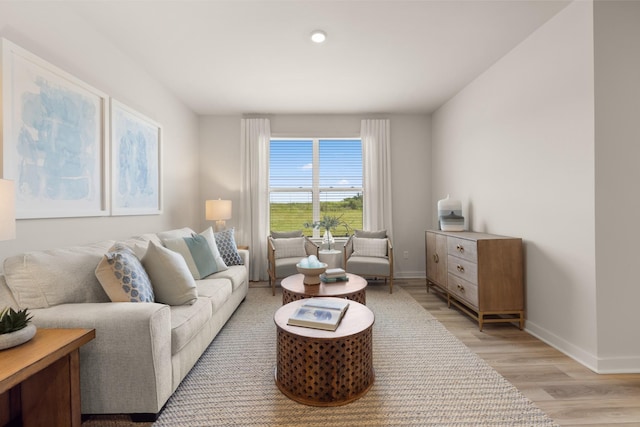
x=424, y=376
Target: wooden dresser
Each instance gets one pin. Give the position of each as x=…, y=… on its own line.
x=481, y=274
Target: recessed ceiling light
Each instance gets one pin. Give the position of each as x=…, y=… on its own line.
x=318, y=36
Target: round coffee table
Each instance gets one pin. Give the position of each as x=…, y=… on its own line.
x=294, y=289
x=325, y=368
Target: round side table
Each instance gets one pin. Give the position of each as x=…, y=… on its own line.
x=353, y=289
x=333, y=257
x=325, y=368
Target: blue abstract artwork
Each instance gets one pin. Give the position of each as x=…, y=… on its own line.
x=136, y=162
x=53, y=141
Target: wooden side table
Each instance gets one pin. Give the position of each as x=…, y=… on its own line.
x=354, y=289
x=40, y=379
x=325, y=368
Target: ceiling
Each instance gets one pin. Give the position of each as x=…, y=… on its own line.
x=237, y=56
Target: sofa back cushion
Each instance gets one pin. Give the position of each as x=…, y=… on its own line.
x=57, y=276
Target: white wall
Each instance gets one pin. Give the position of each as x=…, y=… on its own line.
x=517, y=147
x=410, y=139
x=66, y=41
x=617, y=148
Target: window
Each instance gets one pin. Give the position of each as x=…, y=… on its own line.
x=311, y=178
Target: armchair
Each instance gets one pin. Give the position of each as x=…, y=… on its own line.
x=283, y=253
x=370, y=256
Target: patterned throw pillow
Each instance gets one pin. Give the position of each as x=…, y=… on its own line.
x=123, y=277
x=227, y=246
x=369, y=247
x=196, y=252
x=289, y=248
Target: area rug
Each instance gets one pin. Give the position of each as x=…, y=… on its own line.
x=424, y=376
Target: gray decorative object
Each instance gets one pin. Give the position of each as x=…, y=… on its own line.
x=16, y=338
x=450, y=215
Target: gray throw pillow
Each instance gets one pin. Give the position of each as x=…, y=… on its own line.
x=286, y=234
x=378, y=234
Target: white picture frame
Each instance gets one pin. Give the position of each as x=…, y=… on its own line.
x=136, y=159
x=54, y=138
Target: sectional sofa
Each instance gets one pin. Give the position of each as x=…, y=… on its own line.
x=142, y=350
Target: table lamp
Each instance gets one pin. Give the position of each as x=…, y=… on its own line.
x=218, y=211
x=7, y=210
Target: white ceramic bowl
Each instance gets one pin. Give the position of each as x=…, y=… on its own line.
x=312, y=275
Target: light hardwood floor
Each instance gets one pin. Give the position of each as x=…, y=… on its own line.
x=568, y=392
x=564, y=389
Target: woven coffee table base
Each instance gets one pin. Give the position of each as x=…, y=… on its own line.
x=359, y=296
x=323, y=372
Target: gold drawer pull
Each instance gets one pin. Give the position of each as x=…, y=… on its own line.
x=460, y=248
x=460, y=268
x=436, y=258
x=461, y=288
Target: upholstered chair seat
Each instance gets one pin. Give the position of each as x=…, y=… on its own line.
x=370, y=254
x=284, y=251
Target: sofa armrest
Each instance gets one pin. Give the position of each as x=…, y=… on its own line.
x=244, y=254
x=127, y=367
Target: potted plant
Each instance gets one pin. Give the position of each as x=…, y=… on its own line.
x=15, y=327
x=328, y=223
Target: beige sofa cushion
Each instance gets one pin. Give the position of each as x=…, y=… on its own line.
x=57, y=276
x=170, y=277
x=187, y=321
x=217, y=291
x=236, y=273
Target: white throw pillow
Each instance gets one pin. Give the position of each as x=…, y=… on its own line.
x=289, y=247
x=211, y=240
x=369, y=247
x=170, y=276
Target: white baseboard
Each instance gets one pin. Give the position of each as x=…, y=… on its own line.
x=606, y=365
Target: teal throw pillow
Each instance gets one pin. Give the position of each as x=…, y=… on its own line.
x=196, y=252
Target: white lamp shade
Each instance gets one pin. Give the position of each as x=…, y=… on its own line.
x=216, y=210
x=7, y=210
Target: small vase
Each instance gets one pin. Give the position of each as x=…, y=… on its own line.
x=328, y=239
x=15, y=338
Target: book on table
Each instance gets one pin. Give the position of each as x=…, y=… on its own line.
x=334, y=275
x=334, y=279
x=335, y=272
x=319, y=313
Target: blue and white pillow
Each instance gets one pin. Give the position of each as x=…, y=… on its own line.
x=227, y=246
x=123, y=277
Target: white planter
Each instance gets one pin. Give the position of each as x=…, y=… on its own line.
x=13, y=339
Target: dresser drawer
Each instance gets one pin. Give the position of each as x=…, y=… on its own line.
x=462, y=248
x=462, y=268
x=463, y=290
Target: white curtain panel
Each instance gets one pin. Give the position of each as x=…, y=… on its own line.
x=254, y=192
x=376, y=165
